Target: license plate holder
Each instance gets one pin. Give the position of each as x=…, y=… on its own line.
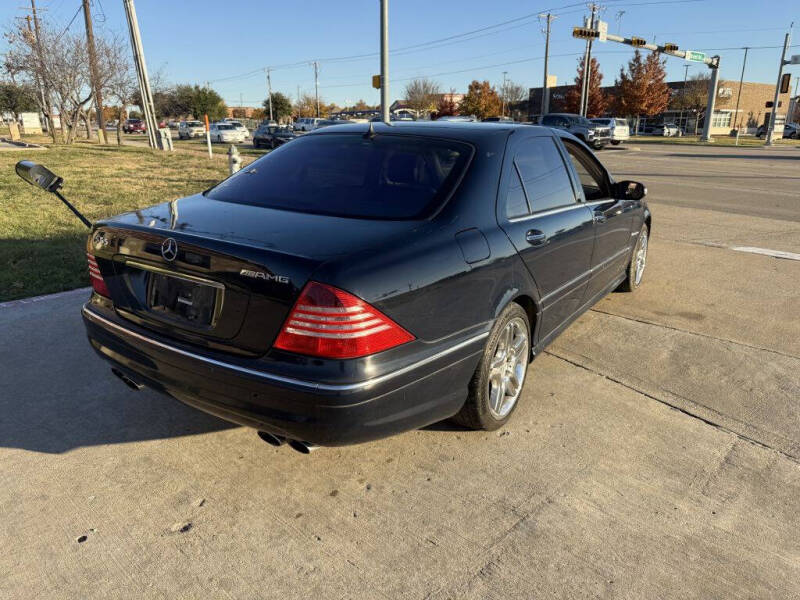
x=183, y=299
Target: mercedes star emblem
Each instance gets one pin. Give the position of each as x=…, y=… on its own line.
x=169, y=249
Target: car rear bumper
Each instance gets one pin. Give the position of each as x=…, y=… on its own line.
x=246, y=392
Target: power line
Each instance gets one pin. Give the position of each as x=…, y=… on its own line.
x=71, y=21
x=493, y=29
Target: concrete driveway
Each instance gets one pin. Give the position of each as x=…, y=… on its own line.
x=656, y=452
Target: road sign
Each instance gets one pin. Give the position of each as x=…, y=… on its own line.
x=602, y=27
x=695, y=56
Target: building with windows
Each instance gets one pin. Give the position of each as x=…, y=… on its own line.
x=751, y=100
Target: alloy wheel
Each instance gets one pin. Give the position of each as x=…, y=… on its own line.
x=641, y=257
x=507, y=368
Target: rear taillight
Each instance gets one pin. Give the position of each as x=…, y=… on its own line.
x=328, y=322
x=96, y=278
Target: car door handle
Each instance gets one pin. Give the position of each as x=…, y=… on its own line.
x=535, y=237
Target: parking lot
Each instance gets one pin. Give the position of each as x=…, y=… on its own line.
x=655, y=452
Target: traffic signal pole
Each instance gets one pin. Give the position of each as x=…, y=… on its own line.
x=670, y=50
x=385, y=61
x=774, y=114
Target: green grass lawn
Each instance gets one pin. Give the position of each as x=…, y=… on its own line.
x=42, y=244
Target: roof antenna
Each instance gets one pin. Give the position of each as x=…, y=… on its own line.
x=370, y=132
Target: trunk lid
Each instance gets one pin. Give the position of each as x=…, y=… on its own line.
x=231, y=273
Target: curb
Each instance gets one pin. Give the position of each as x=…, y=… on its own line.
x=35, y=299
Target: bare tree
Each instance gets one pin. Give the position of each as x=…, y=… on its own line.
x=117, y=77
x=59, y=63
x=422, y=95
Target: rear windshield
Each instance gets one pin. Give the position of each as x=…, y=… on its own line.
x=224, y=126
x=602, y=121
x=348, y=175
x=194, y=124
x=620, y=122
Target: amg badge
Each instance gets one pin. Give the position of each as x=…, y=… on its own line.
x=265, y=276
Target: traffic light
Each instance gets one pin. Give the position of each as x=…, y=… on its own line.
x=669, y=47
x=638, y=42
x=785, y=81
x=376, y=82
x=585, y=33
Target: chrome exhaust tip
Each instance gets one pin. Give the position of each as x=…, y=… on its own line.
x=134, y=385
x=271, y=438
x=302, y=447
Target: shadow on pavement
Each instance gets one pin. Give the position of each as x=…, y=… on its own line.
x=57, y=395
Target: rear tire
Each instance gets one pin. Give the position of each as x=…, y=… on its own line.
x=638, y=262
x=496, y=386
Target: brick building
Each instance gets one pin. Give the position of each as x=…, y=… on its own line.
x=752, y=106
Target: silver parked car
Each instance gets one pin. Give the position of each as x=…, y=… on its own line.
x=620, y=132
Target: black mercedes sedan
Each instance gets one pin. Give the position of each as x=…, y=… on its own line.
x=366, y=279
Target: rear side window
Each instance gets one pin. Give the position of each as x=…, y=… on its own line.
x=516, y=203
x=348, y=175
x=544, y=174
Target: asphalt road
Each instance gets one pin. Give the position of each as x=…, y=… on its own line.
x=656, y=452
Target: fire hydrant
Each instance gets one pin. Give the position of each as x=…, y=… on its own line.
x=234, y=160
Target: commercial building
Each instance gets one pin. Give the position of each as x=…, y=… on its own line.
x=752, y=110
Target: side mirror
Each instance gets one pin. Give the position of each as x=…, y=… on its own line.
x=629, y=190
x=39, y=175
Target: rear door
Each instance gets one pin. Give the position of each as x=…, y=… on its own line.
x=542, y=213
x=613, y=218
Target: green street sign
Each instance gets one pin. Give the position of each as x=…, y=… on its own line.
x=695, y=56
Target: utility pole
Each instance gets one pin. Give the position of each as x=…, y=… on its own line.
x=95, y=76
x=269, y=92
x=316, y=85
x=683, y=93
x=774, y=115
x=545, y=89
x=739, y=96
x=385, y=61
x=141, y=73
x=45, y=90
x=587, y=61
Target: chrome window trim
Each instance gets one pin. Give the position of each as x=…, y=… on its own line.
x=311, y=385
x=550, y=211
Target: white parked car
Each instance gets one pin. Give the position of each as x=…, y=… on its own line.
x=239, y=127
x=226, y=133
x=191, y=129
x=306, y=124
x=620, y=132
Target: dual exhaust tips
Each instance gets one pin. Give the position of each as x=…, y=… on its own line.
x=279, y=440
x=270, y=438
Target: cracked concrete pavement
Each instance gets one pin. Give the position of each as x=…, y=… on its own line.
x=655, y=453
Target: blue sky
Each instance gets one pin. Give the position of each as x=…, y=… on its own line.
x=229, y=43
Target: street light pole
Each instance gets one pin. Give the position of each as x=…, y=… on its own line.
x=783, y=63
x=269, y=92
x=385, y=61
x=683, y=92
x=503, y=109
